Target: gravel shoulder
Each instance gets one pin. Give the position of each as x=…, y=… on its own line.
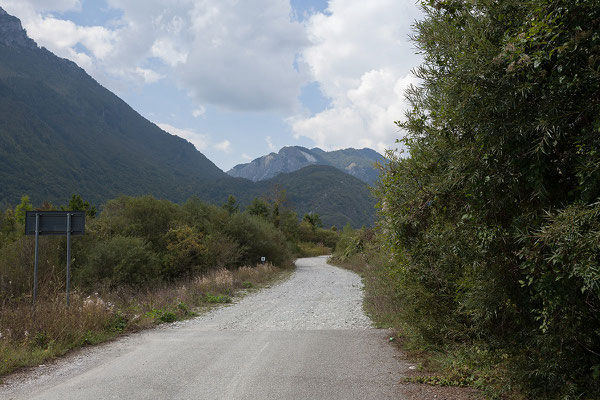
x=304, y=338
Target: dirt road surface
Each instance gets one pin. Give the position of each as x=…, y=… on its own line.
x=304, y=338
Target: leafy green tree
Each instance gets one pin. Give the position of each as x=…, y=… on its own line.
x=76, y=203
x=231, y=205
x=313, y=219
x=8, y=226
x=259, y=207
x=22, y=208
x=503, y=141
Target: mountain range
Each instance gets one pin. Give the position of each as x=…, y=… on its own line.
x=62, y=133
x=358, y=163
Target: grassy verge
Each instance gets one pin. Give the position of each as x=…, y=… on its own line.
x=30, y=337
x=469, y=364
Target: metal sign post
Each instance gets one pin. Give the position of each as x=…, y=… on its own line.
x=54, y=223
x=68, y=255
x=35, y=265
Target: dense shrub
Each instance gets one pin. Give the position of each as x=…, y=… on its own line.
x=144, y=217
x=257, y=238
x=492, y=218
x=120, y=261
x=313, y=234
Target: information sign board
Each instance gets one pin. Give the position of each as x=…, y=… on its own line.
x=55, y=222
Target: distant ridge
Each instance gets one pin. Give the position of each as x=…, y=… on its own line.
x=358, y=163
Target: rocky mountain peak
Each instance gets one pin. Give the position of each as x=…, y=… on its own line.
x=12, y=32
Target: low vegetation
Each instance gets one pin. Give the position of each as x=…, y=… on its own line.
x=141, y=262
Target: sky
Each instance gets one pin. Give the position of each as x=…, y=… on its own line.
x=242, y=78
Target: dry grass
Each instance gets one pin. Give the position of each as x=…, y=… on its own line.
x=30, y=336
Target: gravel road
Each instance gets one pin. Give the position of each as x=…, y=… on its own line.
x=305, y=338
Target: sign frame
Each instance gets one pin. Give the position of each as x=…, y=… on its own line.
x=41, y=223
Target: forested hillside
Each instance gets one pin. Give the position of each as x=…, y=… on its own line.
x=63, y=133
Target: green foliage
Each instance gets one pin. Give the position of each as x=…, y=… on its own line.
x=230, y=205
x=222, y=250
x=186, y=253
x=120, y=260
x=22, y=208
x=259, y=207
x=309, y=233
x=493, y=218
x=257, y=238
x=8, y=227
x=117, y=323
x=309, y=249
x=76, y=203
x=162, y=316
x=144, y=217
x=215, y=299
x=337, y=197
x=313, y=219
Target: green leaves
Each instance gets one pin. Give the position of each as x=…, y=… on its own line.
x=495, y=208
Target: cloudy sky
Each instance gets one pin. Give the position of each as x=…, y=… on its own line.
x=242, y=78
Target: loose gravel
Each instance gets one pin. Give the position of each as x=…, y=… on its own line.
x=317, y=296
x=304, y=338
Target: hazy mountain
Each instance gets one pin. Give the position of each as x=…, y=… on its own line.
x=358, y=163
x=62, y=133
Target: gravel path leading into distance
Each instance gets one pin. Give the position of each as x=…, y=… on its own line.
x=304, y=338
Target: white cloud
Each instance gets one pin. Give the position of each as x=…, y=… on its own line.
x=201, y=141
x=270, y=144
x=242, y=54
x=234, y=54
x=148, y=75
x=224, y=146
x=167, y=52
x=246, y=157
x=361, y=57
x=200, y=111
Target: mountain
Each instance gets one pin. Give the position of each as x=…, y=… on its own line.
x=62, y=133
x=339, y=198
x=358, y=163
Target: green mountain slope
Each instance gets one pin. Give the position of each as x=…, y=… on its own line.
x=337, y=197
x=62, y=133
